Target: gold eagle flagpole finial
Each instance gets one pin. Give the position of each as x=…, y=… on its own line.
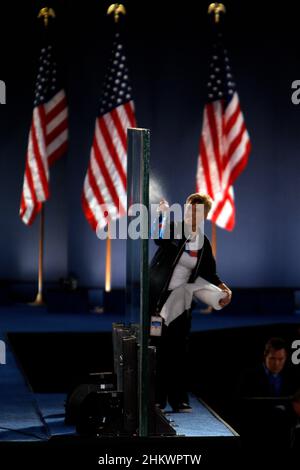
x=216, y=8
x=116, y=9
x=46, y=13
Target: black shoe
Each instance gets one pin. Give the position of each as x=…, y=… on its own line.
x=184, y=408
x=181, y=408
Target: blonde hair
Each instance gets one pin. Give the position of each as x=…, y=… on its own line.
x=197, y=198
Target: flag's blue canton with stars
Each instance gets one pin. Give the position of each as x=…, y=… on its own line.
x=46, y=84
x=117, y=89
x=221, y=84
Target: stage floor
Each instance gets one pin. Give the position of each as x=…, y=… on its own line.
x=200, y=422
x=34, y=417
x=24, y=318
x=47, y=349
x=29, y=416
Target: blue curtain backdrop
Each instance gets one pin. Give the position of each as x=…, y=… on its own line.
x=168, y=57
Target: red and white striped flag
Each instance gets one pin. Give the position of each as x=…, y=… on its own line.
x=224, y=143
x=104, y=192
x=48, y=135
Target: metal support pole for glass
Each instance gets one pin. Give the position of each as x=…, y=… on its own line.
x=137, y=264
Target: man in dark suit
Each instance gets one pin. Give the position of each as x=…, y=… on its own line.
x=264, y=397
x=272, y=378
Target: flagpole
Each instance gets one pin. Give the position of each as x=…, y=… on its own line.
x=116, y=9
x=39, y=297
x=215, y=8
x=44, y=14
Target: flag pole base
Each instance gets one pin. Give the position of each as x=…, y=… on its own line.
x=98, y=309
x=38, y=302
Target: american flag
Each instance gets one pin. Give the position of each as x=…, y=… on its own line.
x=224, y=143
x=48, y=135
x=104, y=191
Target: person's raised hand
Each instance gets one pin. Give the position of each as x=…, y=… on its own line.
x=163, y=206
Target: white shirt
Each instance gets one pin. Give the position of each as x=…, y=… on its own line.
x=182, y=293
x=186, y=264
x=181, y=297
x=182, y=271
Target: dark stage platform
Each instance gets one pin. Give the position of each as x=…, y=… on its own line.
x=48, y=352
x=28, y=415
x=37, y=419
